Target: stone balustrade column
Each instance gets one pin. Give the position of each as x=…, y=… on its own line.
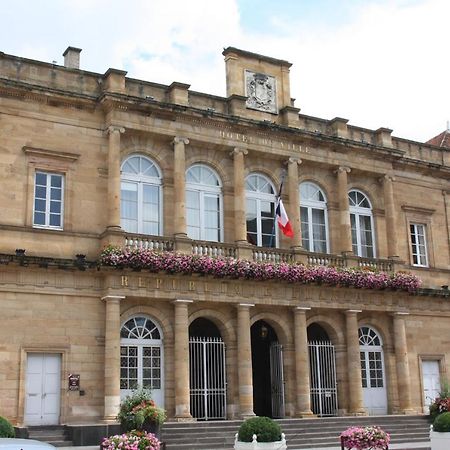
x=114, y=161
x=345, y=233
x=355, y=392
x=181, y=360
x=240, y=223
x=244, y=362
x=294, y=201
x=401, y=362
x=303, y=394
x=391, y=224
x=179, y=185
x=112, y=356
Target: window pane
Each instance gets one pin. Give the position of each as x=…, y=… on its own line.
x=150, y=212
x=56, y=181
x=151, y=194
x=55, y=220
x=55, y=194
x=193, y=217
x=211, y=203
x=40, y=192
x=193, y=232
x=211, y=219
x=150, y=228
x=39, y=218
x=212, y=235
x=129, y=191
x=55, y=207
x=41, y=179
x=39, y=205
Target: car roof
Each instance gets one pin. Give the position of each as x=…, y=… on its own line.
x=24, y=444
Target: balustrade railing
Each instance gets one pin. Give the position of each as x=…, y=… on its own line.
x=323, y=259
x=146, y=242
x=213, y=249
x=272, y=255
x=384, y=265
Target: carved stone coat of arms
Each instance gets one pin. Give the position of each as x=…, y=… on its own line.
x=261, y=91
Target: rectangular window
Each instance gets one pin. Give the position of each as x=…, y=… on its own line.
x=48, y=200
x=418, y=244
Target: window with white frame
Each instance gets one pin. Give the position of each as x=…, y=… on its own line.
x=48, y=200
x=313, y=213
x=361, y=220
x=418, y=244
x=203, y=204
x=260, y=211
x=140, y=196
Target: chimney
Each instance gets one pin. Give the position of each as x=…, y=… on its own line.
x=72, y=58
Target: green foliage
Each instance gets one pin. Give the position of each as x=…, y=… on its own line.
x=445, y=389
x=442, y=423
x=266, y=430
x=6, y=429
x=137, y=408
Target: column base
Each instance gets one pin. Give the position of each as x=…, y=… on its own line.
x=184, y=419
x=248, y=415
x=407, y=411
x=305, y=415
x=357, y=413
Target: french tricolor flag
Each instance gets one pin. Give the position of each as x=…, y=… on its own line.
x=283, y=219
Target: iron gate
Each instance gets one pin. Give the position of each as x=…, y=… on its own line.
x=208, y=389
x=277, y=380
x=322, y=365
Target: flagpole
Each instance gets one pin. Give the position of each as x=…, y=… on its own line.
x=277, y=199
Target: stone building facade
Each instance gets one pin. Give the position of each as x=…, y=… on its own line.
x=90, y=160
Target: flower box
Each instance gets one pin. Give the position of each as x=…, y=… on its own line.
x=439, y=441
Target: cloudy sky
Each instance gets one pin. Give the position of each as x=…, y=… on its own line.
x=378, y=63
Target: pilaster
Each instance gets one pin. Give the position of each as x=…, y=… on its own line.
x=240, y=224
x=294, y=200
x=391, y=222
x=179, y=185
x=345, y=236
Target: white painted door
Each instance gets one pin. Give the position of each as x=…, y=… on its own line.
x=43, y=385
x=372, y=371
x=431, y=382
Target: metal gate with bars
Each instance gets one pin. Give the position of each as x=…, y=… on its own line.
x=208, y=387
x=277, y=380
x=322, y=366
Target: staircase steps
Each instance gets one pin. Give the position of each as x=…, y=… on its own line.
x=55, y=435
x=300, y=433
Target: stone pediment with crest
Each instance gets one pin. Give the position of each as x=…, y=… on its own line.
x=261, y=91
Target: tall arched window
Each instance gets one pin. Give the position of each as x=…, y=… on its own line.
x=313, y=213
x=141, y=357
x=203, y=204
x=140, y=196
x=260, y=198
x=362, y=224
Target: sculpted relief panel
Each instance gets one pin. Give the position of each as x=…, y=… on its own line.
x=261, y=91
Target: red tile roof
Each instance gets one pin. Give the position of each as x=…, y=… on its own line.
x=441, y=140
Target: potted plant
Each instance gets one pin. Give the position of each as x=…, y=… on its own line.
x=138, y=411
x=365, y=438
x=440, y=432
x=136, y=440
x=6, y=429
x=260, y=433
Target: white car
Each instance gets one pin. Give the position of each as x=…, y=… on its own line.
x=24, y=444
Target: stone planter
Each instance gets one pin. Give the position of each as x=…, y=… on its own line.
x=255, y=445
x=439, y=441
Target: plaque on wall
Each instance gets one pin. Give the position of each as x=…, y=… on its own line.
x=74, y=382
x=261, y=91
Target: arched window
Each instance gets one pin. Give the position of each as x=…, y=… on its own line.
x=203, y=204
x=140, y=196
x=260, y=198
x=313, y=213
x=141, y=357
x=372, y=370
x=362, y=224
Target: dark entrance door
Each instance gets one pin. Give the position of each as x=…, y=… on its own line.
x=267, y=364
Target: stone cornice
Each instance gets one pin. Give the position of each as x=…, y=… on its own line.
x=56, y=154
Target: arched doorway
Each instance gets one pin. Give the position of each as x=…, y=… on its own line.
x=322, y=364
x=267, y=364
x=372, y=371
x=141, y=357
x=207, y=374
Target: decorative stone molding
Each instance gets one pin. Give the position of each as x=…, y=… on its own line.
x=261, y=91
x=114, y=128
x=46, y=153
x=180, y=140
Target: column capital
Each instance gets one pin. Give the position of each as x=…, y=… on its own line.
x=301, y=309
x=180, y=301
x=400, y=314
x=115, y=128
x=341, y=169
x=113, y=297
x=245, y=305
x=293, y=160
x=353, y=311
x=386, y=177
x=180, y=140
x=238, y=150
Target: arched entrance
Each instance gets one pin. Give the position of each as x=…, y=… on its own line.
x=141, y=357
x=207, y=374
x=372, y=371
x=322, y=364
x=268, y=379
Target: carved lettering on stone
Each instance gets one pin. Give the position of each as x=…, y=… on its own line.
x=261, y=91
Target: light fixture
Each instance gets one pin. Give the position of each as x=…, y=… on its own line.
x=263, y=332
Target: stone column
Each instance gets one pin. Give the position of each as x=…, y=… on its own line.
x=240, y=224
x=303, y=394
x=390, y=216
x=345, y=234
x=244, y=362
x=181, y=360
x=355, y=393
x=112, y=356
x=401, y=362
x=179, y=186
x=114, y=177
x=294, y=201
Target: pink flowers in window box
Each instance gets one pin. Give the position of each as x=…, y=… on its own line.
x=365, y=438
